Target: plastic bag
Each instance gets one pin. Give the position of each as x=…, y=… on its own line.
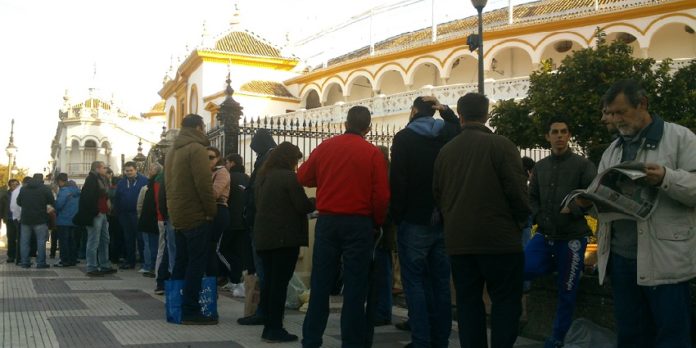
x=295, y=288
x=174, y=298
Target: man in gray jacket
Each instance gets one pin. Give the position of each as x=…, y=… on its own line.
x=651, y=262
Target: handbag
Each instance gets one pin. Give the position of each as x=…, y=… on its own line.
x=174, y=298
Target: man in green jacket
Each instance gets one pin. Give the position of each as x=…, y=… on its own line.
x=191, y=208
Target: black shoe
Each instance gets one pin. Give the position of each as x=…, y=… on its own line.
x=382, y=322
x=410, y=345
x=250, y=320
x=278, y=336
x=198, y=320
x=109, y=270
x=403, y=326
x=60, y=264
x=43, y=266
x=126, y=266
x=24, y=265
x=95, y=274
x=159, y=290
x=10, y=260
x=149, y=274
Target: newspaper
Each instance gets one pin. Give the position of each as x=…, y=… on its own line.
x=621, y=190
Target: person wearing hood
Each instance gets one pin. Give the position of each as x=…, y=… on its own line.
x=425, y=267
x=34, y=200
x=262, y=143
x=66, y=208
x=192, y=208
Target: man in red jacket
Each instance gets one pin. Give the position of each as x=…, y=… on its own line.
x=350, y=175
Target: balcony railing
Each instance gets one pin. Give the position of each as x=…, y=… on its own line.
x=78, y=169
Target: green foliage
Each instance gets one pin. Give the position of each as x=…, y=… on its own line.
x=21, y=173
x=576, y=88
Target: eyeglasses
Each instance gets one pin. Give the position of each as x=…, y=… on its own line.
x=212, y=157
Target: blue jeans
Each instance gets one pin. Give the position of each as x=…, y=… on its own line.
x=98, y=244
x=567, y=257
x=171, y=244
x=425, y=274
x=191, y=259
x=41, y=232
x=150, y=245
x=648, y=316
x=67, y=236
x=384, y=284
x=336, y=236
x=502, y=275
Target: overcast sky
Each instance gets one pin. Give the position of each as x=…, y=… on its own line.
x=48, y=46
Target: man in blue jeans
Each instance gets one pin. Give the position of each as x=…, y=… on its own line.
x=425, y=267
x=651, y=262
x=127, y=191
x=561, y=238
x=350, y=175
x=34, y=200
x=191, y=207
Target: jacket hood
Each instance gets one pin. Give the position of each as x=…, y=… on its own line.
x=34, y=183
x=72, y=189
x=188, y=136
x=262, y=141
x=427, y=126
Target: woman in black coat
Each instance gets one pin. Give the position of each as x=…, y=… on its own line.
x=280, y=228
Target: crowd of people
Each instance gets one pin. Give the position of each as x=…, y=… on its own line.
x=454, y=200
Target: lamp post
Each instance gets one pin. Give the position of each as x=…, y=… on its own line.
x=11, y=151
x=479, y=5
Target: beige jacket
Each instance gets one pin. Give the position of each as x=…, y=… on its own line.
x=667, y=240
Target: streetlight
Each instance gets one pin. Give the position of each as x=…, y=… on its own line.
x=476, y=41
x=11, y=151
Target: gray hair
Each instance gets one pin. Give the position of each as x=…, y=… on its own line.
x=95, y=165
x=156, y=167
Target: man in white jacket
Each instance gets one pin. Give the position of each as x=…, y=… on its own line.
x=651, y=262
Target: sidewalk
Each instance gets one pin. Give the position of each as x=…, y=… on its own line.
x=62, y=307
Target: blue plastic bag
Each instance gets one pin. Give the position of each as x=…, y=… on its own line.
x=173, y=290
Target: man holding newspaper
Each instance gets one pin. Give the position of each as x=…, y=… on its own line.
x=650, y=260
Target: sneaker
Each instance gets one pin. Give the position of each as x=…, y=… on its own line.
x=239, y=291
x=403, y=326
x=61, y=264
x=95, y=274
x=10, y=260
x=109, y=270
x=142, y=270
x=149, y=274
x=126, y=266
x=251, y=320
x=43, y=266
x=159, y=290
x=278, y=336
x=25, y=265
x=198, y=320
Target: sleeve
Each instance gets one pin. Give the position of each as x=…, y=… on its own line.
x=202, y=180
x=307, y=173
x=589, y=172
x=380, y=187
x=61, y=200
x=680, y=183
x=221, y=181
x=397, y=178
x=299, y=198
x=437, y=186
x=452, y=126
x=141, y=200
x=49, y=197
x=20, y=198
x=534, y=195
x=513, y=182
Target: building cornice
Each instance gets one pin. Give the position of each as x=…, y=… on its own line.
x=507, y=32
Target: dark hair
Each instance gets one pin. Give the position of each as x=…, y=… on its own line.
x=630, y=88
x=109, y=171
x=472, y=107
x=192, y=121
x=237, y=160
x=11, y=181
x=528, y=164
x=98, y=164
x=557, y=119
x=38, y=177
x=217, y=154
x=358, y=119
x=130, y=164
x=26, y=180
x=62, y=177
x=284, y=156
x=425, y=108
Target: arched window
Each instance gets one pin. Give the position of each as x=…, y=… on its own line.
x=193, y=100
x=90, y=153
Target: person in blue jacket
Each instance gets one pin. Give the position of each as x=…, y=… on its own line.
x=127, y=191
x=66, y=208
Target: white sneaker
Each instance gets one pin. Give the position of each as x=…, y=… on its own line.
x=239, y=290
x=142, y=270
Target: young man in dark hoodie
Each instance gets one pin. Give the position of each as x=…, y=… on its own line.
x=425, y=268
x=34, y=199
x=262, y=143
x=192, y=208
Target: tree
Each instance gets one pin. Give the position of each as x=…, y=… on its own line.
x=21, y=173
x=575, y=91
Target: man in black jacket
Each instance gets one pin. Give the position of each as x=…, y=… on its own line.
x=34, y=200
x=561, y=238
x=425, y=268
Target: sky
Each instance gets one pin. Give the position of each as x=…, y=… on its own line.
x=48, y=46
